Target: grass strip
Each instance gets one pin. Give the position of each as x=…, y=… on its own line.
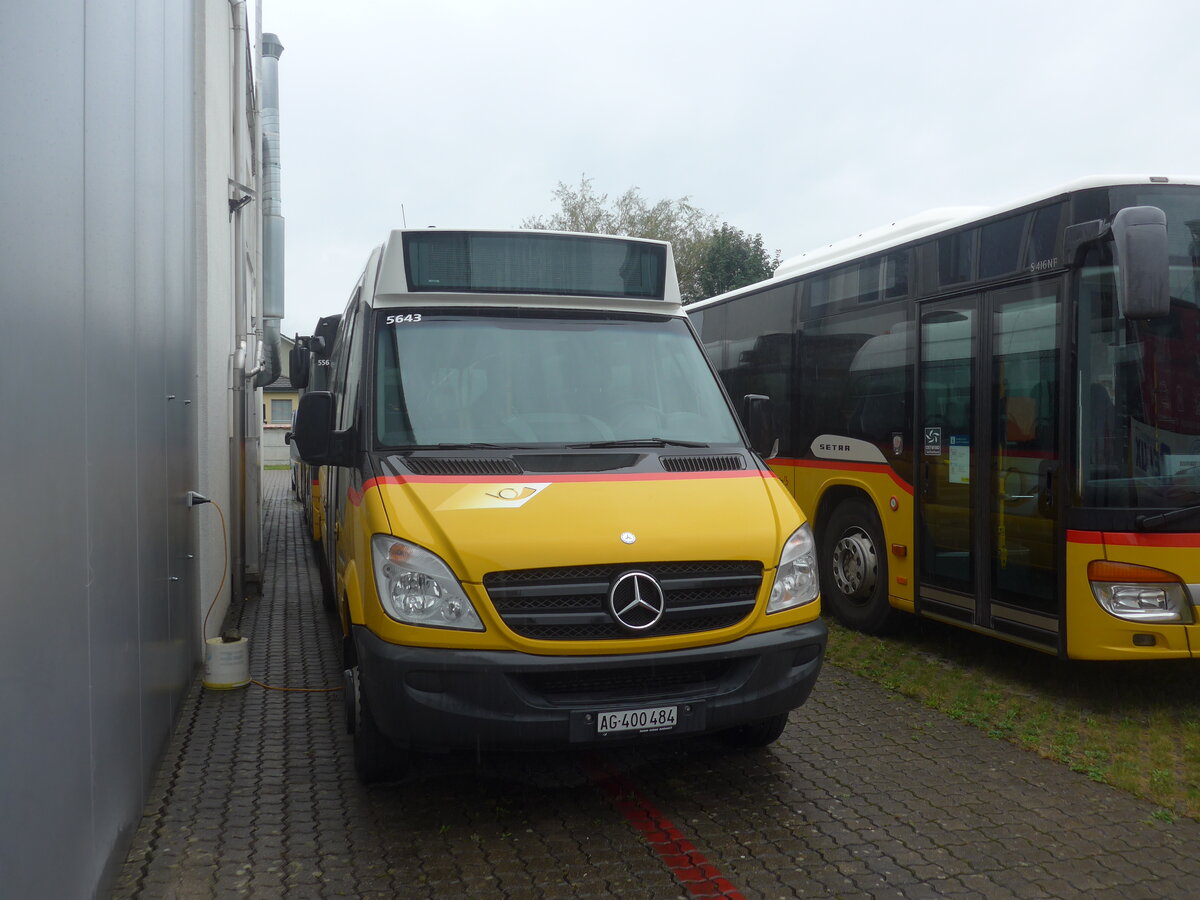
x=1133, y=725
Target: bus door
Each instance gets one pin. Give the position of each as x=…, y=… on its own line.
x=988, y=422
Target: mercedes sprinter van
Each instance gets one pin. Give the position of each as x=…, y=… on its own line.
x=545, y=524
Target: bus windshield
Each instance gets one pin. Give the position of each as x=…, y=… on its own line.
x=1139, y=419
x=520, y=378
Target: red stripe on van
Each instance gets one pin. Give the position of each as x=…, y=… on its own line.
x=562, y=479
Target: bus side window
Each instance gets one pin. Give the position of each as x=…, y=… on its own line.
x=1020, y=417
x=881, y=416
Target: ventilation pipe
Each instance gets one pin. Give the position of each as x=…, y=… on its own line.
x=272, y=309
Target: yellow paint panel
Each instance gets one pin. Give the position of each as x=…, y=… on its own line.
x=484, y=527
x=1094, y=633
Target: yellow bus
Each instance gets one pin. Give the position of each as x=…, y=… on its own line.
x=993, y=416
x=544, y=523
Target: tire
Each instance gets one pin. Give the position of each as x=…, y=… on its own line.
x=762, y=733
x=326, y=579
x=854, y=569
x=376, y=758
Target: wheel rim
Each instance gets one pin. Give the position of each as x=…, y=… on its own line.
x=855, y=564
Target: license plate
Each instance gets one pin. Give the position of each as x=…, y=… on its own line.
x=657, y=718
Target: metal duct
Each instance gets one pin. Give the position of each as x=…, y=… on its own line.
x=272, y=308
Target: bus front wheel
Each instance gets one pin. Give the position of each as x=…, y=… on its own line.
x=854, y=571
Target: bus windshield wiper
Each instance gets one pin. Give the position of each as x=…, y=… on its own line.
x=637, y=442
x=1145, y=523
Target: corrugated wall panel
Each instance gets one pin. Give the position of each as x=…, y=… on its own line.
x=179, y=307
x=148, y=352
x=111, y=473
x=97, y=320
x=44, y=698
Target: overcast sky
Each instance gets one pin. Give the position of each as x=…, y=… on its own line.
x=806, y=122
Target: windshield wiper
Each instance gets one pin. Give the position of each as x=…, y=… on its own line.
x=1145, y=523
x=637, y=442
x=479, y=445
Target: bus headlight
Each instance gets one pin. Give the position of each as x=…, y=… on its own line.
x=1140, y=593
x=796, y=578
x=417, y=588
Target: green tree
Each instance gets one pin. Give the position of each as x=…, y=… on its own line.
x=685, y=225
x=729, y=258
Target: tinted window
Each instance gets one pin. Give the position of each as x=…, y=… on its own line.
x=347, y=403
x=759, y=353
x=1000, y=246
x=855, y=377
x=1043, y=237
x=855, y=283
x=526, y=263
x=955, y=257
x=895, y=275
x=710, y=325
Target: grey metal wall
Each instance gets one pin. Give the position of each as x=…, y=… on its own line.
x=97, y=313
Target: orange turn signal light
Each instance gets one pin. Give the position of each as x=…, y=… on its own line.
x=1104, y=570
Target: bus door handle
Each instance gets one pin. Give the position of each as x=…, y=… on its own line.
x=1045, y=495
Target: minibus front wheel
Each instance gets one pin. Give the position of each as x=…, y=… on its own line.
x=376, y=758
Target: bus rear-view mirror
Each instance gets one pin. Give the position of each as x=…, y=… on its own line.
x=1143, y=267
x=298, y=362
x=313, y=432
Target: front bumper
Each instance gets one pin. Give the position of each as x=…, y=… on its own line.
x=434, y=699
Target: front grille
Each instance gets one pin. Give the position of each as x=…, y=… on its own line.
x=730, y=463
x=570, y=603
x=441, y=465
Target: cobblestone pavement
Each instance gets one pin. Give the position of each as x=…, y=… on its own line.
x=866, y=795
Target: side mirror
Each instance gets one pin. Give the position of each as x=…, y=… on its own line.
x=1143, y=266
x=298, y=365
x=759, y=422
x=314, y=435
x=1141, y=255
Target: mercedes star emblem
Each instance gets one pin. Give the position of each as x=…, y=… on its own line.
x=636, y=601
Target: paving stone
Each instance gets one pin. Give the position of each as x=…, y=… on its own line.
x=866, y=795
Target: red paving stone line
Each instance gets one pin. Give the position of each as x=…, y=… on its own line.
x=698, y=876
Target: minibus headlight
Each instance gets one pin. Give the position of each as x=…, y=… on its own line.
x=1139, y=593
x=417, y=588
x=796, y=578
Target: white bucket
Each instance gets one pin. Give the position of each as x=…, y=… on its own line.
x=226, y=664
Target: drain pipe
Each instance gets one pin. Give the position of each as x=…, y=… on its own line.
x=239, y=212
x=272, y=211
